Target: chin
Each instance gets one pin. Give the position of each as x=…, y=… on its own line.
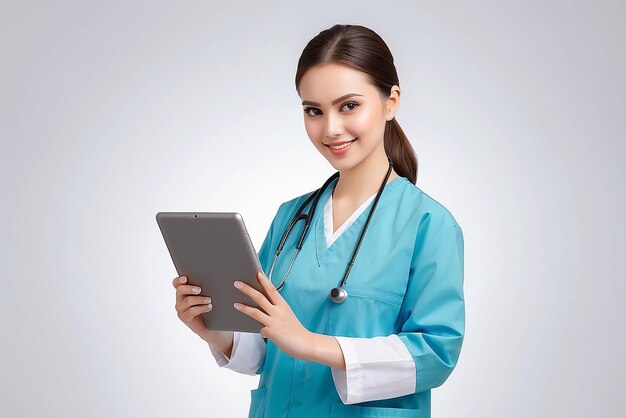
x=342, y=165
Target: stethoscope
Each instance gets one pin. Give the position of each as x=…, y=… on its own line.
x=337, y=294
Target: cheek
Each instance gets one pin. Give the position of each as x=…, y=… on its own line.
x=312, y=130
x=366, y=123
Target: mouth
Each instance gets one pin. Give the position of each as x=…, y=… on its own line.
x=340, y=144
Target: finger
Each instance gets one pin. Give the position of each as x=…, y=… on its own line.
x=184, y=290
x=273, y=294
x=255, y=295
x=190, y=301
x=178, y=281
x=253, y=313
x=188, y=315
x=265, y=332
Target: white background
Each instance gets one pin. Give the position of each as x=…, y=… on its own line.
x=113, y=111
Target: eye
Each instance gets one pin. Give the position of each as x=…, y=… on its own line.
x=351, y=105
x=308, y=110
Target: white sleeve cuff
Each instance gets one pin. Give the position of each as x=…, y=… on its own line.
x=376, y=368
x=247, y=354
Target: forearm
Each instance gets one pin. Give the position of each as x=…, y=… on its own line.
x=325, y=349
x=222, y=340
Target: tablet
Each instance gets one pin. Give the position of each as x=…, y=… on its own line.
x=213, y=249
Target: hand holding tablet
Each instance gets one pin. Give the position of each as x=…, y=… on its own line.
x=212, y=250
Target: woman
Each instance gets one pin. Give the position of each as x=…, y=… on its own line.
x=397, y=334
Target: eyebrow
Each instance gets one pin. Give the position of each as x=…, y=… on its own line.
x=345, y=96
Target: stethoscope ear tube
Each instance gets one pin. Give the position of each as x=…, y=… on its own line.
x=306, y=228
x=293, y=259
x=288, y=231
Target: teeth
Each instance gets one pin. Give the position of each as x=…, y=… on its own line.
x=342, y=146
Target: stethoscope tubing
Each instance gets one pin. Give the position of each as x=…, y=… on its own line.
x=337, y=294
x=367, y=222
x=307, y=217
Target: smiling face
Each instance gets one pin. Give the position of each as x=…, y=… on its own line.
x=345, y=114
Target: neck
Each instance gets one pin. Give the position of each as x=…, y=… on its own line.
x=363, y=180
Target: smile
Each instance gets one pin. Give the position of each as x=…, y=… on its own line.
x=341, y=146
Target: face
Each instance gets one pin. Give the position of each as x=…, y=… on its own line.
x=345, y=114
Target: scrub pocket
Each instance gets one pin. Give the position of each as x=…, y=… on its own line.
x=367, y=312
x=340, y=410
x=257, y=403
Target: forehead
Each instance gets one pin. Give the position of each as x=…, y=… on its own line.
x=326, y=82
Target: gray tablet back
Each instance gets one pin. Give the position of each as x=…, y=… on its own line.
x=213, y=249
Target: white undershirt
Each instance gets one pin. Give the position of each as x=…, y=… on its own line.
x=376, y=368
x=328, y=219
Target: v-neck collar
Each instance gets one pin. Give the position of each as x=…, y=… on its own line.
x=351, y=234
x=330, y=234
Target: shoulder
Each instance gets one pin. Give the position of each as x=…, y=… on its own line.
x=288, y=208
x=291, y=206
x=428, y=216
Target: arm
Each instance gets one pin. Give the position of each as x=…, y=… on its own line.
x=220, y=340
x=433, y=312
x=426, y=350
x=248, y=353
x=325, y=349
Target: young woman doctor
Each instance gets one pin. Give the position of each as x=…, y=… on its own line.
x=392, y=329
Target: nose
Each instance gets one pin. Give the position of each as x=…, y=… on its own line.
x=334, y=125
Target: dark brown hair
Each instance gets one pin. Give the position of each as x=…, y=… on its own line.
x=362, y=49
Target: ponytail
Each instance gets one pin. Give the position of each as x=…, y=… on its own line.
x=399, y=150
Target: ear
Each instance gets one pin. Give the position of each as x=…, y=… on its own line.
x=393, y=102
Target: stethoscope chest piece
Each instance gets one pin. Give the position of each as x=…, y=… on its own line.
x=338, y=295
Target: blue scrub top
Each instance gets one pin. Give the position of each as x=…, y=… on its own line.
x=407, y=280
